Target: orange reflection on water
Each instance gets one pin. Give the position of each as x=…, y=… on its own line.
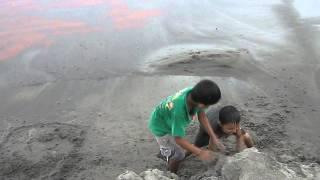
x=77, y=3
x=25, y=32
x=23, y=23
x=19, y=30
x=19, y=5
x=125, y=18
x=17, y=44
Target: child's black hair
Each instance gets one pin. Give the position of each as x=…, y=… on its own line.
x=229, y=114
x=206, y=92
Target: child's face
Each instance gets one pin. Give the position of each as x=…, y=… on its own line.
x=229, y=128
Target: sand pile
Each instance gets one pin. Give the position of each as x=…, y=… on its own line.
x=249, y=164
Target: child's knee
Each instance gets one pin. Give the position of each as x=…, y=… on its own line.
x=178, y=155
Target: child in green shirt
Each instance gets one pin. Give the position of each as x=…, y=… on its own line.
x=171, y=117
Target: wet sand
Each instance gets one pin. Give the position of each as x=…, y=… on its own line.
x=76, y=106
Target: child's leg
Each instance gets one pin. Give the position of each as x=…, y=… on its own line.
x=169, y=147
x=177, y=157
x=174, y=166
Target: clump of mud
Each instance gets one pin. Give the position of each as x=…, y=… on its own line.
x=41, y=151
x=150, y=174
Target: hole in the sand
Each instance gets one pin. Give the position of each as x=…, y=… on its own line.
x=38, y=150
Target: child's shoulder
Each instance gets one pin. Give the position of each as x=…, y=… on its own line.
x=180, y=95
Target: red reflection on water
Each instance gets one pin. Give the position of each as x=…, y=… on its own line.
x=13, y=9
x=125, y=18
x=20, y=30
x=77, y=3
x=17, y=44
x=19, y=34
x=19, y=6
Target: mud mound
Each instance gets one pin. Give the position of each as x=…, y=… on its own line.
x=249, y=164
x=41, y=151
x=237, y=63
x=252, y=164
x=151, y=174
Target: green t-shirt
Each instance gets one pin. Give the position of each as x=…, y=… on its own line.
x=171, y=115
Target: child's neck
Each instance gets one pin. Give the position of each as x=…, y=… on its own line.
x=190, y=103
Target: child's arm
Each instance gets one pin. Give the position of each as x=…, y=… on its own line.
x=243, y=139
x=202, y=154
x=205, y=123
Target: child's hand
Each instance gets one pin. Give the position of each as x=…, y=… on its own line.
x=206, y=155
x=219, y=145
x=240, y=132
